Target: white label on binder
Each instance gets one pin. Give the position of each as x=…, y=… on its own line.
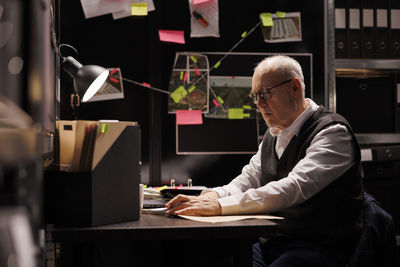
x=368, y=18
x=354, y=18
x=381, y=18
x=395, y=18
x=398, y=93
x=366, y=154
x=340, y=18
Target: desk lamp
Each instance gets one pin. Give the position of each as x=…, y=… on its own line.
x=88, y=79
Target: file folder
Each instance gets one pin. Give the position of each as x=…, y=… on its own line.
x=368, y=29
x=382, y=29
x=394, y=49
x=354, y=32
x=341, y=22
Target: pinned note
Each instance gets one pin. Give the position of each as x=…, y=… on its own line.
x=280, y=14
x=193, y=59
x=139, y=9
x=266, y=19
x=197, y=71
x=215, y=102
x=188, y=117
x=220, y=100
x=171, y=36
x=113, y=80
x=185, y=76
x=181, y=76
x=244, y=34
x=246, y=107
x=146, y=84
x=192, y=88
x=235, y=113
x=178, y=94
x=217, y=64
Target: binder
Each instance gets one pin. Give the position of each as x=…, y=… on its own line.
x=382, y=29
x=367, y=29
x=341, y=22
x=354, y=30
x=394, y=48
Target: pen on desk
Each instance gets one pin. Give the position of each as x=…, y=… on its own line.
x=200, y=18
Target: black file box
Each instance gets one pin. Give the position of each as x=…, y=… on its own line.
x=107, y=194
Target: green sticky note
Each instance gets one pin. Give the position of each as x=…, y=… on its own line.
x=266, y=19
x=193, y=59
x=220, y=99
x=217, y=64
x=246, y=107
x=246, y=115
x=235, y=113
x=178, y=94
x=104, y=128
x=139, y=9
x=244, y=34
x=192, y=88
x=181, y=75
x=280, y=14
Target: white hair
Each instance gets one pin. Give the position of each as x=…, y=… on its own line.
x=283, y=67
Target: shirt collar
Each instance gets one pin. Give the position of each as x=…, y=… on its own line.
x=295, y=127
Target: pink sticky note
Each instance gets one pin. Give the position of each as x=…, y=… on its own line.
x=199, y=2
x=187, y=117
x=146, y=84
x=172, y=36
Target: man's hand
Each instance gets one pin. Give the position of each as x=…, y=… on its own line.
x=205, y=204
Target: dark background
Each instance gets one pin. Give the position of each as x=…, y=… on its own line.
x=133, y=45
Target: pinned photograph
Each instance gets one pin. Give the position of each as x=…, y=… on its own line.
x=281, y=27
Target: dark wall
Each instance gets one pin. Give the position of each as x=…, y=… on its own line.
x=132, y=44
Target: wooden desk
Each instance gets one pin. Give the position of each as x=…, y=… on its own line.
x=178, y=232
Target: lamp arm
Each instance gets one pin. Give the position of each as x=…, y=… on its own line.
x=148, y=87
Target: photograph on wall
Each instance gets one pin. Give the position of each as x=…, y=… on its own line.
x=189, y=83
x=112, y=88
x=229, y=98
x=281, y=27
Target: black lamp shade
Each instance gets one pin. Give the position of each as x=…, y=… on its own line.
x=87, y=79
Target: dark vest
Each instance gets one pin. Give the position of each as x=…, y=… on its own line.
x=333, y=215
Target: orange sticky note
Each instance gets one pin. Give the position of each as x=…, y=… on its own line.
x=172, y=36
x=187, y=117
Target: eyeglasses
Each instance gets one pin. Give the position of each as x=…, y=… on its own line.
x=265, y=93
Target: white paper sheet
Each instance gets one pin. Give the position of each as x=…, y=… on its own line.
x=231, y=218
x=93, y=8
x=209, y=12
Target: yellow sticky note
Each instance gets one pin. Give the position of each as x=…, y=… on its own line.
x=244, y=34
x=280, y=14
x=220, y=100
x=161, y=188
x=246, y=115
x=193, y=59
x=104, y=128
x=178, y=94
x=139, y=9
x=217, y=64
x=266, y=19
x=192, y=88
x=181, y=75
x=246, y=107
x=235, y=113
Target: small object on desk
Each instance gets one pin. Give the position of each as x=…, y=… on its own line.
x=200, y=18
x=189, y=182
x=172, y=182
x=171, y=192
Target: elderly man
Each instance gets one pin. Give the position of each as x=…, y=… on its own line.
x=307, y=169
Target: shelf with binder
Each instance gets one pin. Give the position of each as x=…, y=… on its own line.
x=105, y=192
x=383, y=64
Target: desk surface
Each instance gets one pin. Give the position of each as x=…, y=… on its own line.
x=152, y=227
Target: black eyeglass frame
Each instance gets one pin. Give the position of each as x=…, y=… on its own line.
x=265, y=93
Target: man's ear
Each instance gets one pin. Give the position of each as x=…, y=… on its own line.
x=296, y=85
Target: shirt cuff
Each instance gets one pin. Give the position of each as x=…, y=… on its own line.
x=229, y=205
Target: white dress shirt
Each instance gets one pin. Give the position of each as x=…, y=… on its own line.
x=329, y=155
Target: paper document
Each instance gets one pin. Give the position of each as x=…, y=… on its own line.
x=232, y=218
